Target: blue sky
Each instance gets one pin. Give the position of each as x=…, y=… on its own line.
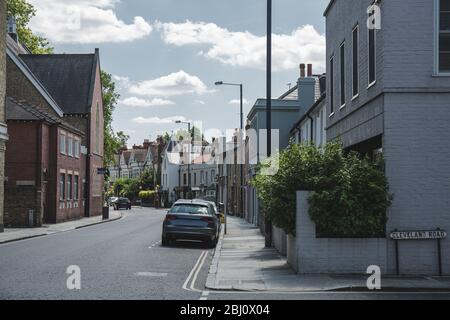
x=166, y=54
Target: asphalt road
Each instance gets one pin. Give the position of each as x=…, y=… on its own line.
x=124, y=259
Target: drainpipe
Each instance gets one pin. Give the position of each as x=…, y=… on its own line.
x=312, y=127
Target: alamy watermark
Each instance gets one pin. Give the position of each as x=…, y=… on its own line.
x=74, y=280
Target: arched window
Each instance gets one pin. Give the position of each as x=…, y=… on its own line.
x=97, y=129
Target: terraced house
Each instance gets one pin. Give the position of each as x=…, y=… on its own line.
x=55, y=111
x=388, y=80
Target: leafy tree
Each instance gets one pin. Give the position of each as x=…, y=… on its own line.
x=146, y=180
x=22, y=11
x=112, y=141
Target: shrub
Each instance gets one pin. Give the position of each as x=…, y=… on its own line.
x=349, y=194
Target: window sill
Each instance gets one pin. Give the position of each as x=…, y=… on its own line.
x=342, y=107
x=331, y=115
x=355, y=97
x=371, y=84
x=441, y=75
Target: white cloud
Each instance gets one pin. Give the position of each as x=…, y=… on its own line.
x=138, y=102
x=85, y=21
x=157, y=120
x=178, y=83
x=237, y=101
x=303, y=45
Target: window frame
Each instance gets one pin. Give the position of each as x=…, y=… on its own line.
x=437, y=33
x=70, y=146
x=342, y=76
x=62, y=187
x=69, y=186
x=62, y=139
x=371, y=83
x=331, y=66
x=76, y=182
x=355, y=85
x=76, y=148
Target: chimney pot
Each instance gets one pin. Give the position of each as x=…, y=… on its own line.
x=302, y=70
x=309, y=70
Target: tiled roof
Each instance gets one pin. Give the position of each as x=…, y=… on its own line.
x=67, y=77
x=140, y=154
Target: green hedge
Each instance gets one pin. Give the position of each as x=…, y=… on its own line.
x=349, y=194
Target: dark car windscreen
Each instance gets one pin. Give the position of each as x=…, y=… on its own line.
x=189, y=208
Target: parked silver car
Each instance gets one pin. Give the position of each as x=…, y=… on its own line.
x=191, y=220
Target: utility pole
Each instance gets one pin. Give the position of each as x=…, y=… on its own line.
x=267, y=222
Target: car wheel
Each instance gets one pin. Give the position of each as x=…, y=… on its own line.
x=164, y=241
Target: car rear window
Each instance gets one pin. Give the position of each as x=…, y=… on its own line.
x=189, y=208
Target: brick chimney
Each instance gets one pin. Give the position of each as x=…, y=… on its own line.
x=302, y=70
x=146, y=144
x=309, y=70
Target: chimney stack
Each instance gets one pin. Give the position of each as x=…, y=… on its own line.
x=309, y=70
x=302, y=70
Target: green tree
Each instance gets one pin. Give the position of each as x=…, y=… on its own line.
x=113, y=141
x=22, y=11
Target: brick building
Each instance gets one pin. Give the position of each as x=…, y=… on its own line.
x=43, y=166
x=56, y=143
x=73, y=80
x=388, y=92
x=3, y=131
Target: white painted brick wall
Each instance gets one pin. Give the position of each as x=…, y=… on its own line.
x=331, y=255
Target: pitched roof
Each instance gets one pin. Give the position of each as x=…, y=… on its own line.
x=22, y=110
x=126, y=156
x=19, y=110
x=68, y=78
x=34, y=81
x=140, y=154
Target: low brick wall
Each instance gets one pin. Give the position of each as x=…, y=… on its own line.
x=309, y=254
x=18, y=203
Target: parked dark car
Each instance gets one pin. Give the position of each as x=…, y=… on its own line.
x=122, y=202
x=191, y=220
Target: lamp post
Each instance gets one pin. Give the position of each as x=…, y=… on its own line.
x=220, y=83
x=268, y=223
x=189, y=151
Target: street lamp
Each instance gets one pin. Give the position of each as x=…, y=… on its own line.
x=221, y=83
x=268, y=223
x=189, y=151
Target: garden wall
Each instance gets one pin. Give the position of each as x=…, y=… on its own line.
x=309, y=254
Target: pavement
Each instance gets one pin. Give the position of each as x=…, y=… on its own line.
x=242, y=263
x=15, y=234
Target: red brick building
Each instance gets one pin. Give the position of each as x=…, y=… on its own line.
x=43, y=166
x=56, y=142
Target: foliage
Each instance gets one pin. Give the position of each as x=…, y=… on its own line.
x=146, y=195
x=113, y=141
x=23, y=12
x=146, y=180
x=349, y=194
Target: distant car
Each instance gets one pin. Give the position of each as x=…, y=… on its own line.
x=112, y=200
x=191, y=220
x=122, y=203
x=218, y=213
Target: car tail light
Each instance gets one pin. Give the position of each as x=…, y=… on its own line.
x=171, y=217
x=208, y=219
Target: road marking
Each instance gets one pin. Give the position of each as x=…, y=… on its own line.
x=154, y=244
x=205, y=293
x=150, y=274
x=195, y=271
x=198, y=270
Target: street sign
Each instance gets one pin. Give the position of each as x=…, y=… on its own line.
x=101, y=170
x=418, y=235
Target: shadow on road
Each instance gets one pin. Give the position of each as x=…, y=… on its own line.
x=186, y=244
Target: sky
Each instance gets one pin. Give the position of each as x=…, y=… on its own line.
x=166, y=55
